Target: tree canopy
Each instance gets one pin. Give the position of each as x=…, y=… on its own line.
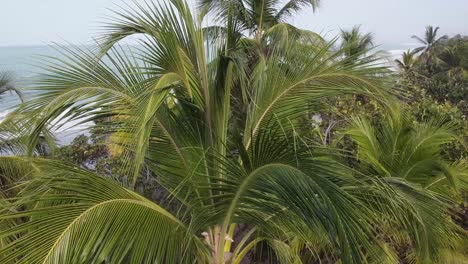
x=213, y=118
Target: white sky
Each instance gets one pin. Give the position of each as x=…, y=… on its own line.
x=40, y=22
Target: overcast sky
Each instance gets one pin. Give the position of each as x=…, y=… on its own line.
x=40, y=22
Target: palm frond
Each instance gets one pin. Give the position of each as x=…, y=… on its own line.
x=86, y=218
x=293, y=6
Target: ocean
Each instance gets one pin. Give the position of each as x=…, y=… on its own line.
x=22, y=62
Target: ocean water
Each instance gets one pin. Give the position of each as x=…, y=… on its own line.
x=18, y=62
x=23, y=63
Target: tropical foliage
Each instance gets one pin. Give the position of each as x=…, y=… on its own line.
x=429, y=41
x=354, y=43
x=441, y=69
x=407, y=154
x=7, y=84
x=201, y=130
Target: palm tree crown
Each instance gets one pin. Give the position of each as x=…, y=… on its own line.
x=355, y=43
x=256, y=15
x=408, y=61
x=429, y=40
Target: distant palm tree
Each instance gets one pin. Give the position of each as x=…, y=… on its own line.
x=6, y=84
x=429, y=41
x=453, y=60
x=408, y=61
x=356, y=43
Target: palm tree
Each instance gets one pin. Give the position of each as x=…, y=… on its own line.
x=354, y=43
x=408, y=61
x=6, y=84
x=428, y=51
x=242, y=179
x=452, y=59
x=255, y=16
x=429, y=41
x=408, y=157
x=265, y=20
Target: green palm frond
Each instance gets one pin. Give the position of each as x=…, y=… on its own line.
x=293, y=6
x=422, y=185
x=428, y=223
x=7, y=84
x=401, y=148
x=255, y=16
x=85, y=218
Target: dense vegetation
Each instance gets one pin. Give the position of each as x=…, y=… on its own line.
x=247, y=141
